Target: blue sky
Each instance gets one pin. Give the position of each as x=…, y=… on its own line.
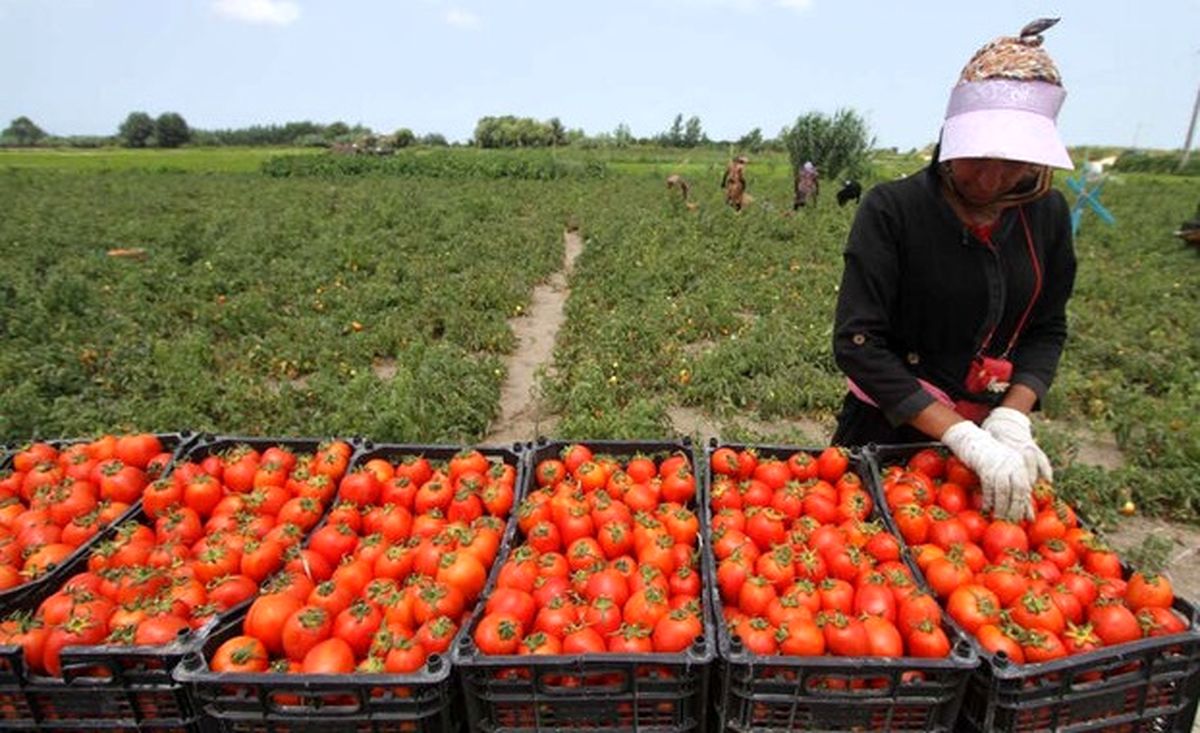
x=80, y=66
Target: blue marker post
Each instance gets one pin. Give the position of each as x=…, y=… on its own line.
x=1089, y=196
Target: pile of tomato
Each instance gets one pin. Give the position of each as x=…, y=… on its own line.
x=608, y=561
x=800, y=569
x=387, y=578
x=52, y=501
x=1038, y=589
x=214, y=530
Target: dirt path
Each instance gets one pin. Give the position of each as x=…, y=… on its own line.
x=522, y=416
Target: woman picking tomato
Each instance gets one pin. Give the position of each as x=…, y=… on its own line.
x=951, y=315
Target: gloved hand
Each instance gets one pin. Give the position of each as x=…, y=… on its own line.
x=1011, y=427
x=1007, y=484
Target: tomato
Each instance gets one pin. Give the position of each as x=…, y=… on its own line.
x=676, y=631
x=973, y=606
x=832, y=462
x=76, y=630
x=845, y=636
x=304, y=629
x=435, y=635
x=158, y=630
x=1005, y=582
x=1149, y=590
x=1113, y=622
x=498, y=633
x=230, y=590
x=647, y=606
x=1040, y=645
x=883, y=638
x=333, y=542
x=724, y=461
x=1158, y=621
x=916, y=609
x=266, y=617
x=913, y=523
x=463, y=571
x=240, y=654
x=927, y=640
x=929, y=461
x=998, y=641
x=357, y=624
x=944, y=575
x=361, y=488
x=329, y=656
x=513, y=602
x=1035, y=610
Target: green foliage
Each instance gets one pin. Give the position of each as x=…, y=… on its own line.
x=242, y=316
x=136, y=130
x=171, y=130
x=1135, y=161
x=22, y=132
x=752, y=141
x=518, y=132
x=837, y=146
x=684, y=135
x=403, y=138
x=436, y=164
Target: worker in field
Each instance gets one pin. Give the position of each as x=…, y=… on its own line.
x=677, y=181
x=951, y=314
x=734, y=182
x=807, y=183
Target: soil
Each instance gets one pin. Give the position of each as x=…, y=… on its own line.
x=522, y=414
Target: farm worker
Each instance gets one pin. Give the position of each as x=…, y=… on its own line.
x=677, y=181
x=951, y=315
x=808, y=185
x=734, y=182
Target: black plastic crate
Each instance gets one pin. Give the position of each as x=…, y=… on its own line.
x=426, y=701
x=784, y=693
x=14, y=598
x=596, y=692
x=106, y=687
x=1150, y=685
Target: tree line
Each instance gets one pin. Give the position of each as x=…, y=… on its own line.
x=836, y=144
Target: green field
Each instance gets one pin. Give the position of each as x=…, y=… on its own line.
x=242, y=317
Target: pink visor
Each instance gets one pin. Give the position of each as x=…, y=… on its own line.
x=1006, y=119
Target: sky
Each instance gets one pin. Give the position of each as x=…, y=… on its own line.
x=79, y=67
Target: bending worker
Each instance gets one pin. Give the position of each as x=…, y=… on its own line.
x=951, y=316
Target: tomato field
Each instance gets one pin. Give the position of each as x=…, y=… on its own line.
x=377, y=303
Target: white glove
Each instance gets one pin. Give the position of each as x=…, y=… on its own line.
x=1007, y=484
x=1011, y=427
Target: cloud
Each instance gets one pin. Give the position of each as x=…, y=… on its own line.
x=798, y=5
x=270, y=12
x=462, y=18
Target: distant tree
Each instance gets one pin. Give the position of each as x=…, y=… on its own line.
x=752, y=141
x=136, y=130
x=836, y=145
x=693, y=133
x=515, y=132
x=23, y=132
x=558, y=133
x=434, y=139
x=403, y=137
x=622, y=136
x=171, y=130
x=336, y=130
x=675, y=133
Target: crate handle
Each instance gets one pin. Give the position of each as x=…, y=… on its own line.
x=100, y=673
x=313, y=701
x=610, y=681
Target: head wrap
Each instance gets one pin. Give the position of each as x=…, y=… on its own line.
x=1006, y=102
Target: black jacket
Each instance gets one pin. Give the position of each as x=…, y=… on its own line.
x=919, y=294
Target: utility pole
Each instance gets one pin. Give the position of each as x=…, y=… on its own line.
x=1187, y=145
